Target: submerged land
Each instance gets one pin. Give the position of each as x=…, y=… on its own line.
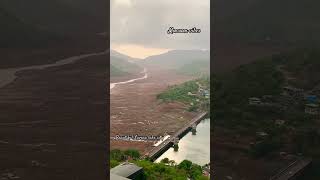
x=52, y=119
x=136, y=108
x=153, y=98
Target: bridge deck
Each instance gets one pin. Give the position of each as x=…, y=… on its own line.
x=292, y=170
x=168, y=141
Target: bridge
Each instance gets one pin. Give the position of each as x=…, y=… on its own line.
x=165, y=145
x=293, y=170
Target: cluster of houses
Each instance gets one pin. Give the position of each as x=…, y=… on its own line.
x=202, y=91
x=290, y=96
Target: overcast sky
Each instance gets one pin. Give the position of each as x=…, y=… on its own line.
x=141, y=25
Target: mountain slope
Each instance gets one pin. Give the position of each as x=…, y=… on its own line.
x=122, y=56
x=175, y=59
x=120, y=67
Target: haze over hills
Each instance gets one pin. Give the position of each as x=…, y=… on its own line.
x=188, y=62
x=175, y=59
x=123, y=56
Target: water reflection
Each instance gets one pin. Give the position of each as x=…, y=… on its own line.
x=195, y=148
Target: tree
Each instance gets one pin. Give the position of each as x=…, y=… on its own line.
x=117, y=155
x=113, y=163
x=185, y=164
x=165, y=161
x=132, y=153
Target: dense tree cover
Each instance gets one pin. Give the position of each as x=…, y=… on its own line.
x=267, y=77
x=165, y=170
x=186, y=169
x=304, y=65
x=232, y=91
x=181, y=93
x=120, y=156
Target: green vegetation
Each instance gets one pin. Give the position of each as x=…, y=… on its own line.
x=121, y=67
x=298, y=135
x=165, y=170
x=195, y=93
x=118, y=156
x=114, y=71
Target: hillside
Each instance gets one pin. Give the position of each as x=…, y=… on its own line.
x=272, y=21
x=123, y=56
x=196, y=68
x=188, y=62
x=121, y=67
x=264, y=80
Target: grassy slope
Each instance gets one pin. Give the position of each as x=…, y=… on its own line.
x=120, y=67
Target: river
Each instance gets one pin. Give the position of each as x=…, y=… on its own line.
x=9, y=75
x=195, y=148
x=145, y=76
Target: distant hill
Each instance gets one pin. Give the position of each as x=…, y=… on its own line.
x=114, y=71
x=196, y=68
x=273, y=21
x=121, y=66
x=186, y=61
x=123, y=56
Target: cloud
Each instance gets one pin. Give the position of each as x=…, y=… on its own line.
x=145, y=23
